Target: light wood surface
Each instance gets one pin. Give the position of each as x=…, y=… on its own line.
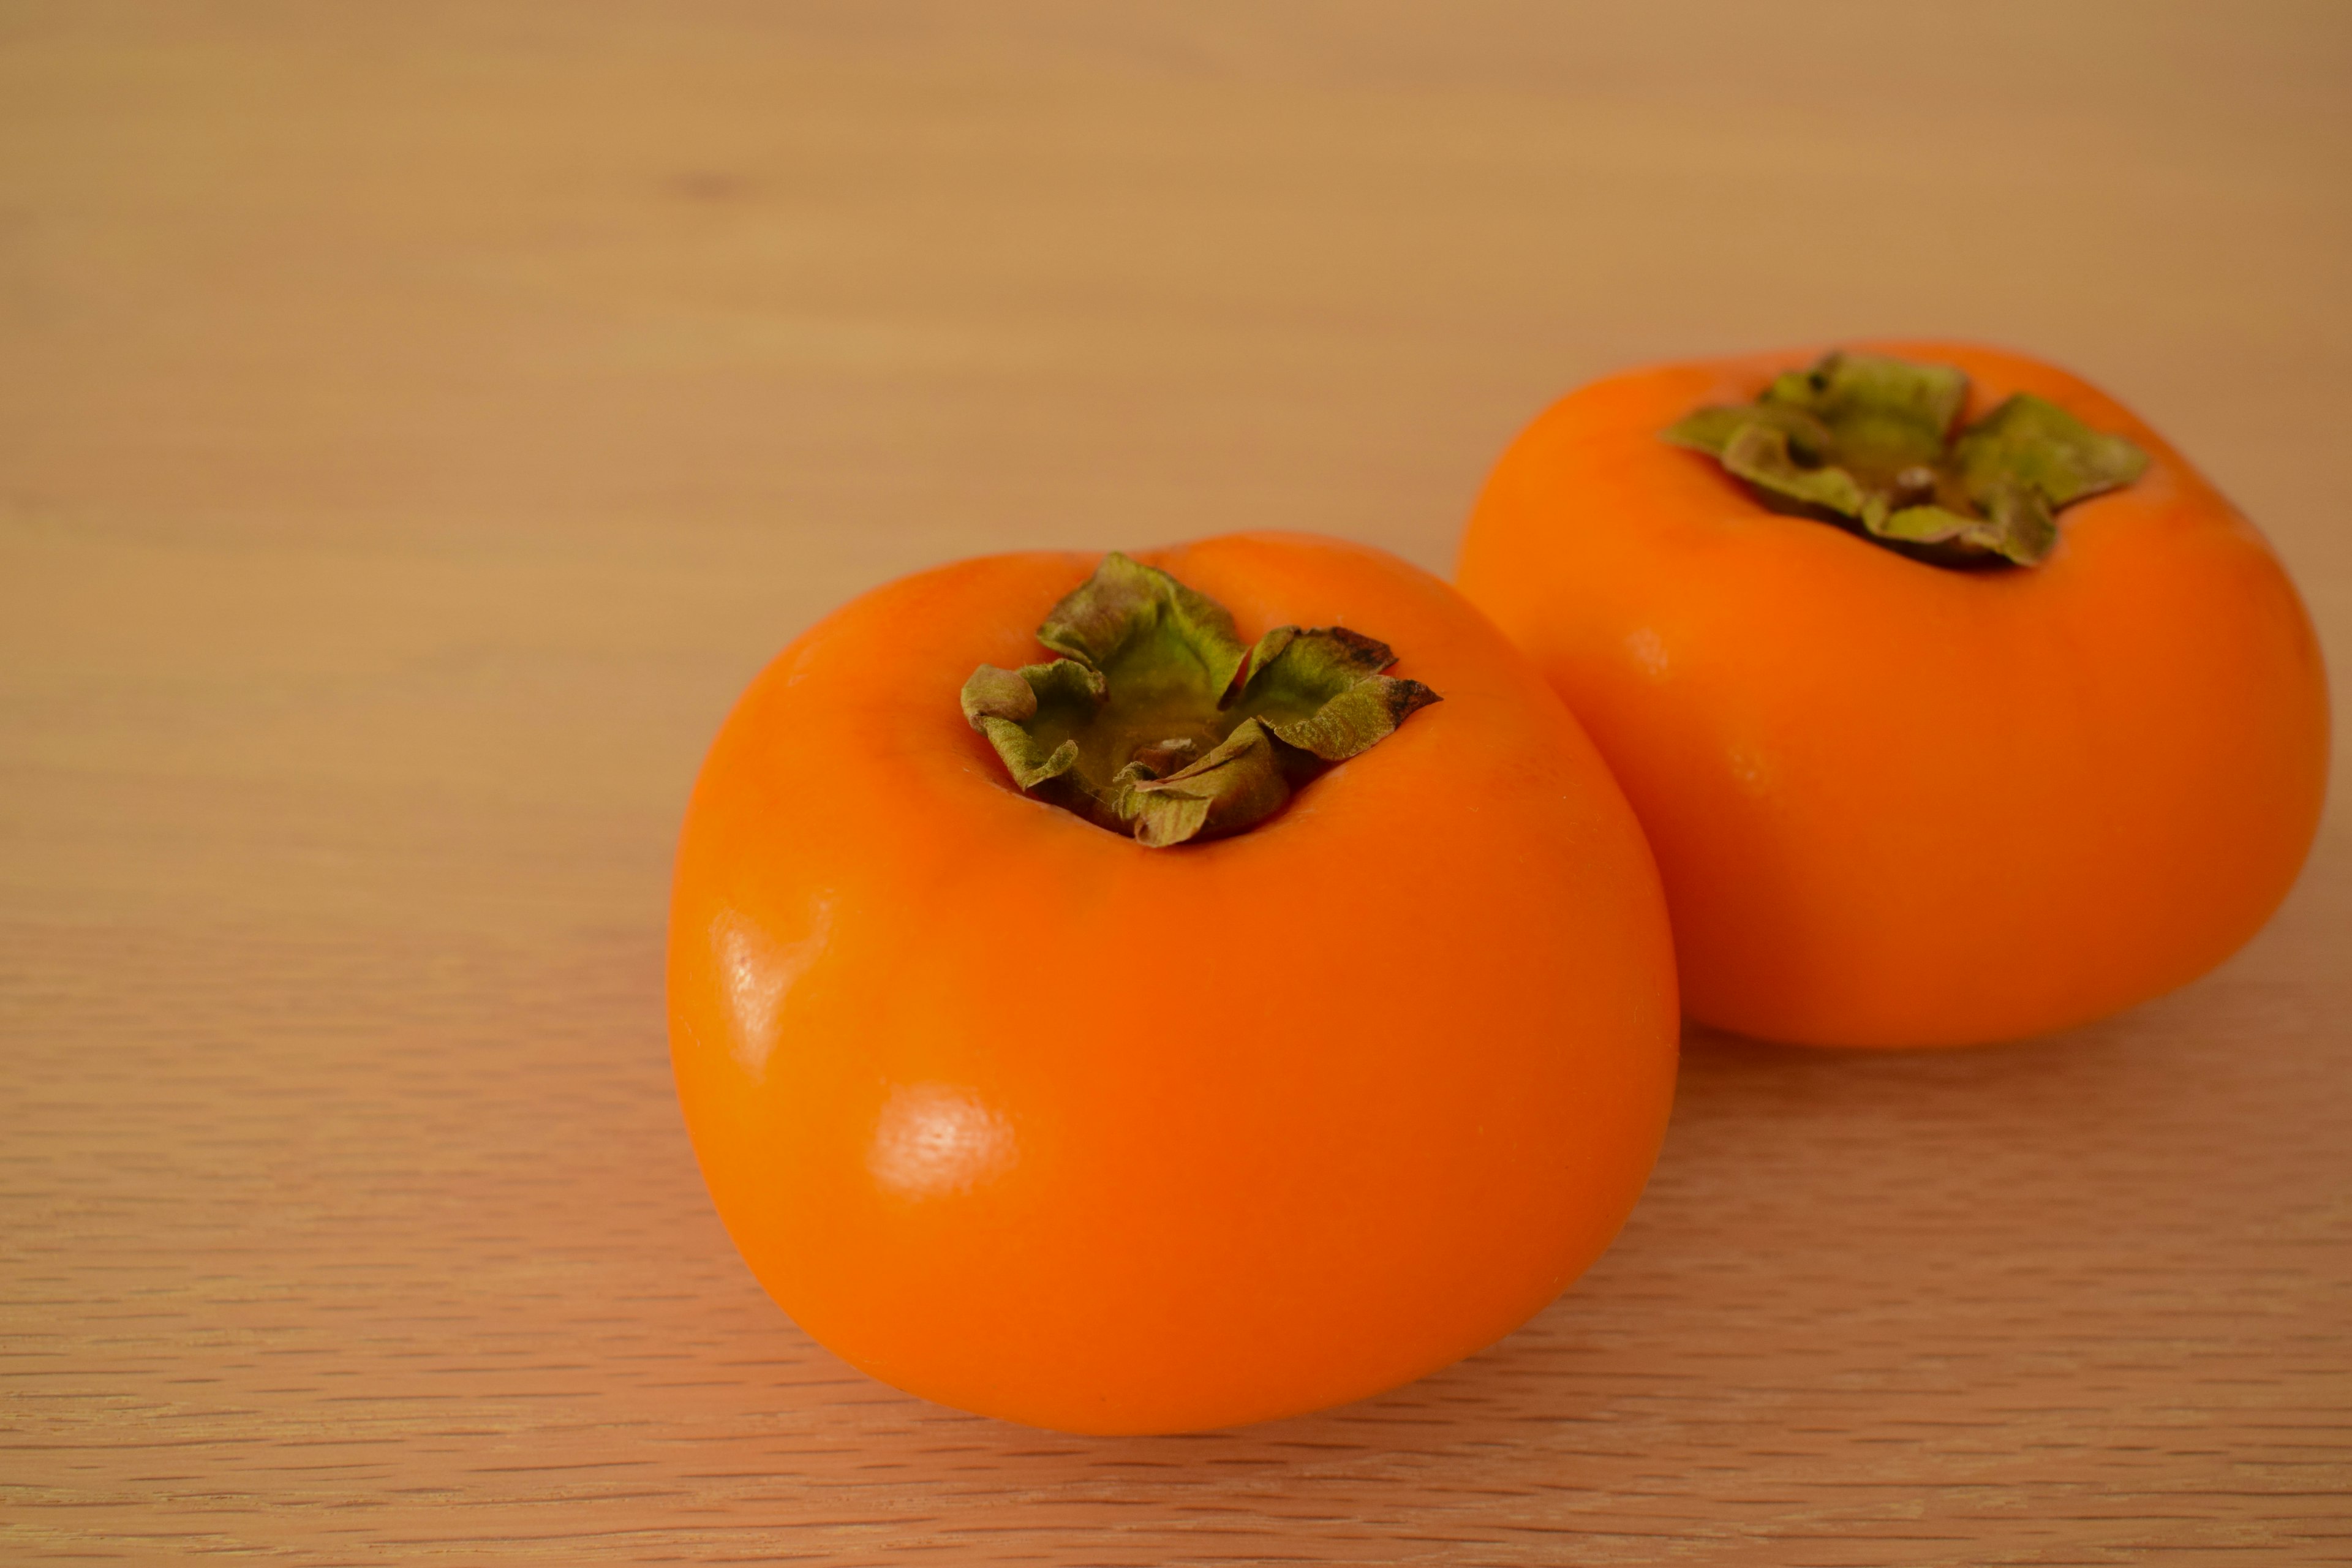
x=418, y=422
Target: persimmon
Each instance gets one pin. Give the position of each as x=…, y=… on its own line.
x=1957, y=706
x=1306, y=1022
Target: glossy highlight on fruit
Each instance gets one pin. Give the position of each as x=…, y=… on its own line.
x=1896, y=802
x=1027, y=1117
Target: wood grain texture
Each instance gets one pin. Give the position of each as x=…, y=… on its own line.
x=419, y=421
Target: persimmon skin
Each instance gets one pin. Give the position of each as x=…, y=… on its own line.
x=1021, y=1116
x=1895, y=803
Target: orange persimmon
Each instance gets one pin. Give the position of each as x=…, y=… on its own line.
x=1901, y=790
x=1020, y=1112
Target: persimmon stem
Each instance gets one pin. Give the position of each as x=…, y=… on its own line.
x=1867, y=442
x=1157, y=722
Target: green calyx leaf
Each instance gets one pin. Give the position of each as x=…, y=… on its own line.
x=1866, y=441
x=1159, y=722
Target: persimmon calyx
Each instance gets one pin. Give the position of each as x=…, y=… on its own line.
x=1157, y=722
x=1866, y=441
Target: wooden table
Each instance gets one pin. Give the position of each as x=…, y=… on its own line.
x=420, y=421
